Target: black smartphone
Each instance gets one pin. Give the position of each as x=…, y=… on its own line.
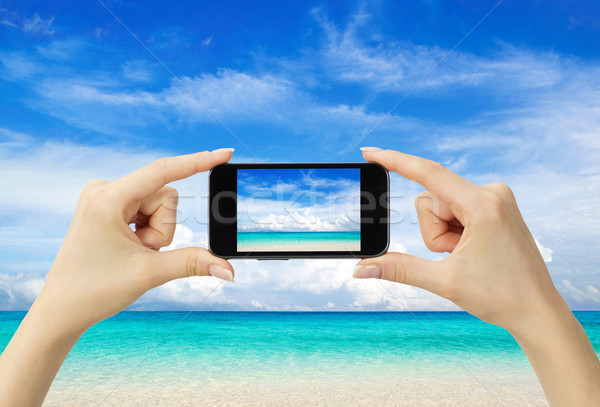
x=282, y=211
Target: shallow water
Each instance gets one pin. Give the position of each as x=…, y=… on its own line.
x=288, y=343
x=151, y=350
x=298, y=241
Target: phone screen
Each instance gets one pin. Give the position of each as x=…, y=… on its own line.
x=298, y=209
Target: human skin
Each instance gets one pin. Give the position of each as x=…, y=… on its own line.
x=494, y=271
x=102, y=267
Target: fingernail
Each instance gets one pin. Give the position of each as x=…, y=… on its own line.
x=223, y=150
x=371, y=271
x=220, y=272
x=370, y=149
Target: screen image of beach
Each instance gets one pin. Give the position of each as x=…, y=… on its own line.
x=298, y=210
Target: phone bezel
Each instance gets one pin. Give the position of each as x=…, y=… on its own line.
x=374, y=179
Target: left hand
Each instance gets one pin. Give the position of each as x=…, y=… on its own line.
x=103, y=266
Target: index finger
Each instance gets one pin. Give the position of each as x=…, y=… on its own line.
x=149, y=179
x=437, y=179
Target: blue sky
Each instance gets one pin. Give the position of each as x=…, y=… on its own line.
x=83, y=97
x=298, y=200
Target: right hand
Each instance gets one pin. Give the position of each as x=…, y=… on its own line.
x=495, y=270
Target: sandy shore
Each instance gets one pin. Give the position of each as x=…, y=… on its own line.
x=297, y=246
x=509, y=390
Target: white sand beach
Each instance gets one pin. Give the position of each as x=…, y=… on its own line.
x=297, y=247
x=519, y=389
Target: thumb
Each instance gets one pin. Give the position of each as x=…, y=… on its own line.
x=188, y=262
x=402, y=268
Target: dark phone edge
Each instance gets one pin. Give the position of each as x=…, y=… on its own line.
x=324, y=255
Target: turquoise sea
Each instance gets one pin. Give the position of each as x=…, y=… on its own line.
x=298, y=241
x=281, y=344
x=290, y=359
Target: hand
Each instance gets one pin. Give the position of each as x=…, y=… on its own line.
x=103, y=266
x=494, y=271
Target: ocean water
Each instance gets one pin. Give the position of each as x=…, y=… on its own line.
x=151, y=347
x=298, y=241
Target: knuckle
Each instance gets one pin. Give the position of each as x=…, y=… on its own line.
x=423, y=199
x=399, y=271
x=193, y=266
x=160, y=163
x=95, y=195
x=168, y=240
x=507, y=193
x=161, y=166
x=431, y=172
x=171, y=196
x=170, y=191
x=495, y=204
x=432, y=244
x=491, y=206
x=154, y=239
x=92, y=185
x=167, y=236
x=503, y=190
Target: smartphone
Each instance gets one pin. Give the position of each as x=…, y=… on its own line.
x=283, y=211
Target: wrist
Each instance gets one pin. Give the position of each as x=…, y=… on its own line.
x=52, y=323
x=561, y=354
x=548, y=317
x=33, y=356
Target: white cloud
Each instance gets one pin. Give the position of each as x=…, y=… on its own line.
x=298, y=276
x=259, y=306
x=238, y=98
x=587, y=296
x=230, y=93
x=379, y=294
x=397, y=247
x=207, y=41
x=543, y=141
x=14, y=139
x=544, y=251
x=183, y=237
x=18, y=66
x=331, y=280
x=306, y=203
x=138, y=71
x=187, y=293
x=8, y=22
x=282, y=99
x=62, y=50
x=351, y=54
x=559, y=125
x=72, y=91
x=98, y=101
x=545, y=200
x=559, y=207
x=256, y=216
x=34, y=25
x=18, y=291
x=37, y=25
x=46, y=178
x=41, y=184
